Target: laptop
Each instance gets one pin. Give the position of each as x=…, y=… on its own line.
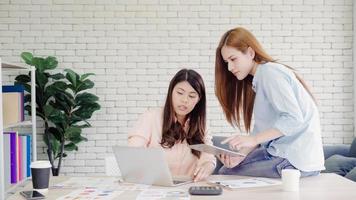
x=145, y=166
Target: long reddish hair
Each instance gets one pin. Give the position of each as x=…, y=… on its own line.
x=236, y=96
x=172, y=130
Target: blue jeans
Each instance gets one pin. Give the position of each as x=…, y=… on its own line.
x=262, y=164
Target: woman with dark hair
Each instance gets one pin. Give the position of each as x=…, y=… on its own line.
x=286, y=131
x=180, y=123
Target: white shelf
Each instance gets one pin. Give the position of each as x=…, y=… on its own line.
x=20, y=124
x=6, y=67
x=9, y=66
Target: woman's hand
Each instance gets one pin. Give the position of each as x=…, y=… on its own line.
x=230, y=161
x=237, y=142
x=203, y=171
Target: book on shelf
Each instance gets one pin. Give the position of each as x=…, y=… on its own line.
x=17, y=157
x=7, y=160
x=28, y=154
x=12, y=150
x=24, y=155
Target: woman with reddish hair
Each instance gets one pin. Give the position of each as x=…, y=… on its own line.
x=286, y=131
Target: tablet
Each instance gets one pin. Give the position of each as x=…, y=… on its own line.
x=214, y=150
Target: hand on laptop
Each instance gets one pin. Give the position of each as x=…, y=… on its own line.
x=203, y=171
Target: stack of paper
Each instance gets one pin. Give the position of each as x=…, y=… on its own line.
x=248, y=183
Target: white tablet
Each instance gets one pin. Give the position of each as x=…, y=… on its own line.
x=214, y=150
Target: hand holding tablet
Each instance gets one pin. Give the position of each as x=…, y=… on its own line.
x=214, y=150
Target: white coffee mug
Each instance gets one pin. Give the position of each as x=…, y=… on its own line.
x=290, y=179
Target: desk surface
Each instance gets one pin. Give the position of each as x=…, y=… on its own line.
x=323, y=187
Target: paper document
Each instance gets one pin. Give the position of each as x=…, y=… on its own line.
x=80, y=182
x=111, y=183
x=248, y=183
x=91, y=194
x=214, y=150
x=163, y=194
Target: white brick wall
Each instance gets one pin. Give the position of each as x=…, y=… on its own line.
x=136, y=46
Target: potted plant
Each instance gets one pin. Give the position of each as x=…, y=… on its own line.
x=62, y=102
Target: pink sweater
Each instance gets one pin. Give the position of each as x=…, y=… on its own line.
x=148, y=133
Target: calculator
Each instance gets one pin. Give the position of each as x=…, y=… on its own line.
x=205, y=190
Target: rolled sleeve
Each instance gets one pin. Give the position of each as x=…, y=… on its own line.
x=279, y=91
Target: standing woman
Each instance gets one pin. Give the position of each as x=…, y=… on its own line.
x=180, y=123
x=286, y=132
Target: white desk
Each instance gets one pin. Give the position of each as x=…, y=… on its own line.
x=322, y=187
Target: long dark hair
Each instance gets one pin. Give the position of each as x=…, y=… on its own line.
x=172, y=130
x=236, y=96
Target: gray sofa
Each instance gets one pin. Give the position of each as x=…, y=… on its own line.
x=341, y=159
x=338, y=158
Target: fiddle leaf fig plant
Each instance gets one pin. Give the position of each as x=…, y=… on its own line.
x=62, y=102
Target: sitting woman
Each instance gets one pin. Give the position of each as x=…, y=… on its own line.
x=180, y=123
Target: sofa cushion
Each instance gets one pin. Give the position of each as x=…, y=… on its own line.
x=339, y=164
x=340, y=149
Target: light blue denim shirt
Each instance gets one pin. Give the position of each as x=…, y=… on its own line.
x=282, y=103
